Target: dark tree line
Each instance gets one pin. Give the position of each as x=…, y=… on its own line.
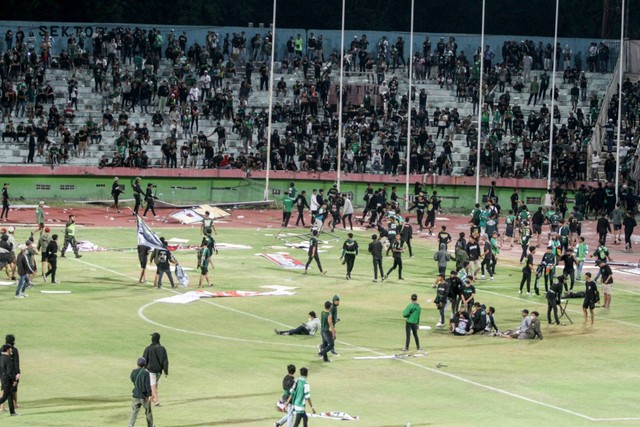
x=578, y=18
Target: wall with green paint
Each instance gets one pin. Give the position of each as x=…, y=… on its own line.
x=184, y=190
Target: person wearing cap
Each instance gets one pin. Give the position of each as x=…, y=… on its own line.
x=40, y=216
x=70, y=237
x=157, y=362
x=43, y=243
x=5, y=202
x=116, y=190
x=142, y=393
x=411, y=314
x=8, y=377
x=24, y=270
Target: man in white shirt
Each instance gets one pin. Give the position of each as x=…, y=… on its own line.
x=309, y=328
x=205, y=82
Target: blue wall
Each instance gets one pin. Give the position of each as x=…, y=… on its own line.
x=466, y=42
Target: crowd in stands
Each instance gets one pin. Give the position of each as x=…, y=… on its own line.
x=212, y=82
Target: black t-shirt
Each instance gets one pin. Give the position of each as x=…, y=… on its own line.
x=590, y=291
x=313, y=246
x=529, y=263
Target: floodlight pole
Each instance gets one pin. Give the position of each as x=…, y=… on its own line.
x=553, y=99
x=339, y=160
x=621, y=72
x=269, y=124
x=408, y=154
x=480, y=105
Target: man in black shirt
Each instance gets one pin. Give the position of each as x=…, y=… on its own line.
x=606, y=276
x=526, y=271
x=163, y=259
x=375, y=249
x=157, y=362
x=591, y=297
x=397, y=249
x=553, y=298
x=301, y=203
x=444, y=237
x=8, y=377
x=313, y=253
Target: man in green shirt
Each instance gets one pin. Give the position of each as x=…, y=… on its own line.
x=70, y=237
x=40, y=216
x=412, y=316
x=287, y=204
x=141, y=380
x=328, y=331
x=204, y=260
x=299, y=395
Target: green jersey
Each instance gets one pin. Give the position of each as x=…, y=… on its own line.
x=70, y=229
x=300, y=393
x=287, y=203
x=412, y=313
x=324, y=321
x=203, y=256
x=39, y=215
x=581, y=251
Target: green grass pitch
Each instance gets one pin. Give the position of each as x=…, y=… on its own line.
x=226, y=364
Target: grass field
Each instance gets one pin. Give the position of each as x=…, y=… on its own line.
x=226, y=364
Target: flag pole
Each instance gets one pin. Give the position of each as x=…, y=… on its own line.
x=270, y=119
x=408, y=154
x=621, y=72
x=339, y=160
x=553, y=98
x=480, y=104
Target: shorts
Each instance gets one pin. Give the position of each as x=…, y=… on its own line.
x=606, y=289
x=204, y=270
x=617, y=227
x=155, y=378
x=509, y=231
x=588, y=304
x=143, y=261
x=431, y=221
x=537, y=229
x=44, y=257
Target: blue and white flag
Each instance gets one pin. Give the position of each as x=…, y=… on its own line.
x=147, y=237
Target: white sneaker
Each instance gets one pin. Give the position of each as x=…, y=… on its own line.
x=482, y=277
x=491, y=278
x=439, y=325
x=520, y=292
x=528, y=293
x=23, y=294
x=19, y=296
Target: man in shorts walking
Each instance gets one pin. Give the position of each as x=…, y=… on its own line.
x=157, y=363
x=591, y=297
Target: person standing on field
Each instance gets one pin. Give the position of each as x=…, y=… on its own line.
x=137, y=194
x=375, y=249
x=70, y=237
x=591, y=297
x=10, y=339
x=313, y=253
x=287, y=384
x=142, y=394
x=157, y=362
x=397, y=249
x=5, y=202
x=8, y=377
x=40, y=216
x=412, y=321
x=116, y=190
x=328, y=331
x=204, y=261
x=349, y=253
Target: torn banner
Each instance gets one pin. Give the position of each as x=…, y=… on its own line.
x=191, y=296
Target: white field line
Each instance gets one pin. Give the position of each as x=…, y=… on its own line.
x=434, y=371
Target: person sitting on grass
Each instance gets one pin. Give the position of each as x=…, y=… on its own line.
x=515, y=333
x=478, y=318
x=309, y=328
x=460, y=324
x=533, y=330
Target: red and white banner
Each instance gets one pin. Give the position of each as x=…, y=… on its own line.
x=284, y=260
x=191, y=296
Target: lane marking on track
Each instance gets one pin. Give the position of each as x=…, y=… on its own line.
x=368, y=350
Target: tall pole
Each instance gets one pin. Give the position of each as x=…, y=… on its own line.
x=553, y=99
x=339, y=163
x=621, y=69
x=270, y=122
x=406, y=192
x=480, y=104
